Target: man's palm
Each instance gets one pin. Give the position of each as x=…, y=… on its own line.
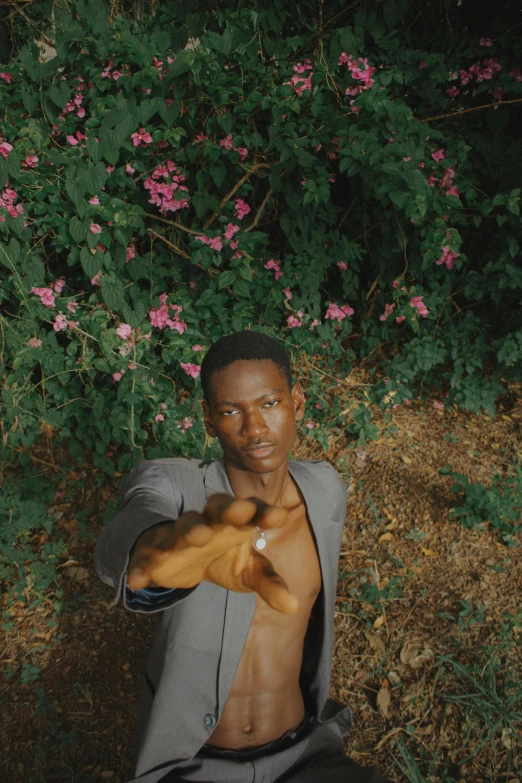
x=215, y=546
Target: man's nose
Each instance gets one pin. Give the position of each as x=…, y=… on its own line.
x=254, y=425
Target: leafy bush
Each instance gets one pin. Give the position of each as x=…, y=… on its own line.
x=500, y=505
x=168, y=179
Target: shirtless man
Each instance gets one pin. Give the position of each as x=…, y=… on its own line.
x=257, y=539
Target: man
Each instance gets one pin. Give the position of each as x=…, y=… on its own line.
x=238, y=558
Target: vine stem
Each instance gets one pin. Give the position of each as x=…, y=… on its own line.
x=473, y=108
x=256, y=167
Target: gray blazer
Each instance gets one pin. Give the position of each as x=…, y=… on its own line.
x=201, y=631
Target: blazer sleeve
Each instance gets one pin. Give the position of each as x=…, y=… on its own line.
x=149, y=499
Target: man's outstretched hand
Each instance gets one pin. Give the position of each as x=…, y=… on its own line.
x=215, y=546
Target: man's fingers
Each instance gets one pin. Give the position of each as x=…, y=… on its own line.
x=271, y=587
x=229, y=510
x=137, y=579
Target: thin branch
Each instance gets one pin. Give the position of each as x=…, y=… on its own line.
x=174, y=247
x=404, y=246
x=236, y=187
x=173, y=223
x=473, y=108
x=22, y=13
x=260, y=211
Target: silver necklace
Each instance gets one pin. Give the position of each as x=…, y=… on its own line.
x=261, y=543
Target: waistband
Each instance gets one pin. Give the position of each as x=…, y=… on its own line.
x=286, y=740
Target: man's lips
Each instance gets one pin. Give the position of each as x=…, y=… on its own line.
x=263, y=450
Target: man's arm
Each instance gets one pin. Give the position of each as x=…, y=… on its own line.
x=148, y=500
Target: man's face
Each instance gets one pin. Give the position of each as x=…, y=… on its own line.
x=253, y=414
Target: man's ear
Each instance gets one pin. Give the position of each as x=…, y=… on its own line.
x=299, y=401
x=207, y=419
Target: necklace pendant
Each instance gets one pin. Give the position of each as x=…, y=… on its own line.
x=260, y=543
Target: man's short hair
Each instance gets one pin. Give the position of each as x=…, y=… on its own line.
x=246, y=345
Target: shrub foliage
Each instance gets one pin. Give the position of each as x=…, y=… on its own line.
x=344, y=176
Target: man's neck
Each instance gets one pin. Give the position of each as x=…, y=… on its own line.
x=269, y=487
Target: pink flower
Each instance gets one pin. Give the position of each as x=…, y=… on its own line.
x=60, y=322
x=215, y=243
x=58, y=285
x=338, y=313
x=72, y=307
x=185, y=425
x=242, y=209
x=447, y=258
x=191, y=369
x=226, y=143
x=422, y=64
x=7, y=77
x=199, y=138
x=465, y=77
x=117, y=376
x=453, y=91
x=94, y=228
x=95, y=280
x=516, y=74
x=159, y=417
x=197, y=348
x=94, y=201
x=342, y=265
x=5, y=149
x=400, y=318
x=315, y=322
x=130, y=252
x=294, y=321
x=109, y=169
x=421, y=308
x=310, y=424
x=275, y=266
x=395, y=284
x=34, y=342
x=46, y=296
x=72, y=140
x=497, y=93
x=388, y=310
x=30, y=161
x=438, y=156
x=230, y=230
x=142, y=136
x=486, y=42
x=129, y=169
x=124, y=331
x=288, y=293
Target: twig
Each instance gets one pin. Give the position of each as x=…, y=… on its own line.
x=236, y=187
x=22, y=13
x=173, y=223
x=259, y=211
x=404, y=246
x=174, y=247
x=473, y=108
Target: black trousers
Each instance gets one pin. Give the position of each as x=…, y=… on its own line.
x=309, y=753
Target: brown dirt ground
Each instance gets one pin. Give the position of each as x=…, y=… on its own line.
x=93, y=662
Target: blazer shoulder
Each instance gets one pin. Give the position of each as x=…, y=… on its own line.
x=332, y=484
x=152, y=473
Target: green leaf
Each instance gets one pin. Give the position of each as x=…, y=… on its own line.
x=226, y=278
x=10, y=254
x=75, y=189
x=94, y=149
x=91, y=262
x=112, y=292
x=219, y=43
x=241, y=288
x=415, y=180
x=218, y=173
x=59, y=94
x=95, y=178
x=77, y=229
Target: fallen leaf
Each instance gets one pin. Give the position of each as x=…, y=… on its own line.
x=77, y=572
x=416, y=654
x=405, y=459
x=375, y=641
x=383, y=701
x=379, y=621
x=126, y=667
x=428, y=552
x=385, y=537
x=393, y=525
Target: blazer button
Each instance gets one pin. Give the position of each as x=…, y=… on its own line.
x=210, y=721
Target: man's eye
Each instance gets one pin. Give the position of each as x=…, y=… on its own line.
x=225, y=413
x=272, y=402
